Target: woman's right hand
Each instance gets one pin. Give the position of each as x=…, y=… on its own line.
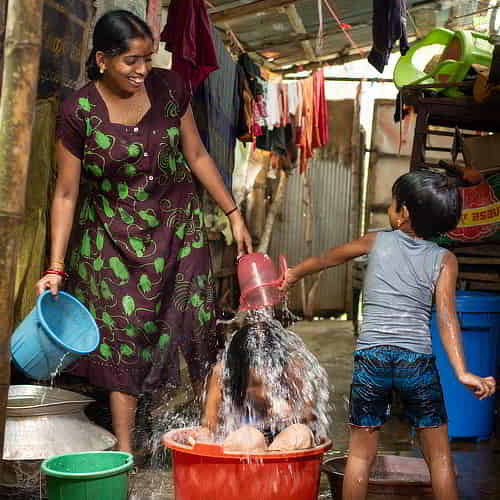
x=240, y=233
x=52, y=282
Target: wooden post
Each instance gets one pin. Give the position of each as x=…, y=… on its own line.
x=274, y=210
x=22, y=45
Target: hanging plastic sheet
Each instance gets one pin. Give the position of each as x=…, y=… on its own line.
x=65, y=31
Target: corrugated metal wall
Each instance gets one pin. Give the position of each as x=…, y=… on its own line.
x=331, y=179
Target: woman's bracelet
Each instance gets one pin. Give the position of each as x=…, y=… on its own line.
x=59, y=272
x=227, y=214
x=57, y=264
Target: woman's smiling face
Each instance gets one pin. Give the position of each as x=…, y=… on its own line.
x=126, y=72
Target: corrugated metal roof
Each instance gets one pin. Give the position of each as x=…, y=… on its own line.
x=283, y=33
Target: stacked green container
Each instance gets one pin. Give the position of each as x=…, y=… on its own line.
x=99, y=475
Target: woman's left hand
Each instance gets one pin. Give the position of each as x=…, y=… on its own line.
x=240, y=233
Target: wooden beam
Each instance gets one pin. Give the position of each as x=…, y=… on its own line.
x=299, y=28
x=229, y=15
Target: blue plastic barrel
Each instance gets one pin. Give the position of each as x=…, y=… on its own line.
x=479, y=316
x=57, y=331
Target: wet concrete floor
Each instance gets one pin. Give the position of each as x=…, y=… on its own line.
x=332, y=341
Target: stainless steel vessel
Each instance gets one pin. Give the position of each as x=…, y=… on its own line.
x=43, y=422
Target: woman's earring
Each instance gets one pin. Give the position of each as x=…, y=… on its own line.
x=101, y=69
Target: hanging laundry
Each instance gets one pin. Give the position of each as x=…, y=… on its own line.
x=389, y=25
x=154, y=21
x=293, y=98
x=273, y=106
x=283, y=94
x=304, y=133
x=188, y=35
x=320, y=114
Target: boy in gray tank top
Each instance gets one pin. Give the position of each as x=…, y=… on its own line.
x=394, y=352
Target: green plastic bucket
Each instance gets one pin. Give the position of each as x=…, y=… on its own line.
x=95, y=475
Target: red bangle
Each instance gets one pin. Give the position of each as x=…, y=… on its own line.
x=59, y=272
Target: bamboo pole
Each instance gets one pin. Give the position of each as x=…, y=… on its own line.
x=19, y=86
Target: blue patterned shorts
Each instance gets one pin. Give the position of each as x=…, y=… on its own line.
x=380, y=371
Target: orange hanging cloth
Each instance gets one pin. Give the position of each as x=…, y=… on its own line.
x=304, y=139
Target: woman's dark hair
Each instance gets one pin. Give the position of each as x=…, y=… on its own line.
x=432, y=199
x=112, y=33
x=250, y=347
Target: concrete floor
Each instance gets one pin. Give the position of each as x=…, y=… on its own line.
x=332, y=341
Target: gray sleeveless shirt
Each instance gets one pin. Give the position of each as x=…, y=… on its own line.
x=399, y=285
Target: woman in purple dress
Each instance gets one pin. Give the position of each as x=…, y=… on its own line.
x=138, y=255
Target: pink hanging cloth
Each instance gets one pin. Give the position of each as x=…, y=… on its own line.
x=154, y=20
x=320, y=115
x=188, y=35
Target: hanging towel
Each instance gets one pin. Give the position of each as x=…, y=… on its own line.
x=320, y=119
x=188, y=35
x=389, y=25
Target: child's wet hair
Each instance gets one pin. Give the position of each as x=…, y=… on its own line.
x=248, y=347
x=432, y=199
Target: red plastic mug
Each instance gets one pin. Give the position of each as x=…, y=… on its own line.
x=259, y=281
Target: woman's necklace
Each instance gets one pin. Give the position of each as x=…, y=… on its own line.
x=125, y=111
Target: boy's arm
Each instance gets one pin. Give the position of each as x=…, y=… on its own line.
x=332, y=257
x=449, y=329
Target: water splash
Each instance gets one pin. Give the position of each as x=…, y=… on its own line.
x=283, y=381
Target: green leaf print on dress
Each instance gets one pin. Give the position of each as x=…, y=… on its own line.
x=106, y=185
x=138, y=245
x=173, y=137
x=99, y=240
x=163, y=341
x=107, y=319
x=103, y=141
x=126, y=351
x=98, y=264
x=134, y=150
x=85, y=104
x=130, y=170
x=106, y=291
x=125, y=216
x=146, y=354
x=150, y=327
x=108, y=211
x=128, y=304
x=144, y=283
x=105, y=351
x=159, y=264
x=119, y=269
x=93, y=168
x=85, y=247
x=82, y=271
x=141, y=195
x=122, y=191
x=149, y=218
x=131, y=330
x=184, y=252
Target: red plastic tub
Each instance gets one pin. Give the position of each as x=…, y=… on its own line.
x=205, y=472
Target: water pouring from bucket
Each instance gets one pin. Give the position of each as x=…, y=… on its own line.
x=260, y=281
x=57, y=331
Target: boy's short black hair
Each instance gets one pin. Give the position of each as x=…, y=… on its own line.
x=432, y=199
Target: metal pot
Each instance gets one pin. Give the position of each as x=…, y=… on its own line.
x=43, y=422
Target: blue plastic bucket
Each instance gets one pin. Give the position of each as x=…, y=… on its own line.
x=54, y=334
x=479, y=316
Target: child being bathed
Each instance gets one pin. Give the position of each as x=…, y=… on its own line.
x=266, y=388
